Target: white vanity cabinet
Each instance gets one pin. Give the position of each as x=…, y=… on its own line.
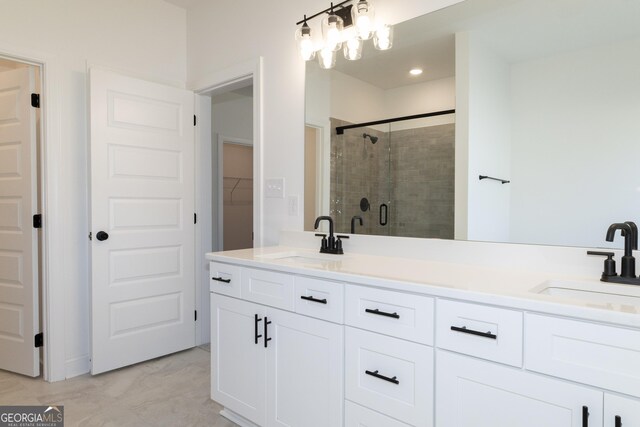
x=273, y=367
x=297, y=350
x=621, y=411
x=476, y=393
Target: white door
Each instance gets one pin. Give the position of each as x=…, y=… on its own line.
x=474, y=393
x=621, y=411
x=238, y=357
x=142, y=214
x=18, y=238
x=304, y=371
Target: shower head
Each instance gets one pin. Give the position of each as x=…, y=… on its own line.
x=373, y=139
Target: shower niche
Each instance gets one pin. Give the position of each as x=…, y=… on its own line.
x=404, y=168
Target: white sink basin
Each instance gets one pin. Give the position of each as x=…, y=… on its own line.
x=303, y=257
x=594, y=294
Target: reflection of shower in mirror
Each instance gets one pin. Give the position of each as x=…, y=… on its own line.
x=373, y=139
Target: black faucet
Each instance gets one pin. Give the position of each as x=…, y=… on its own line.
x=353, y=223
x=333, y=244
x=628, y=274
x=630, y=234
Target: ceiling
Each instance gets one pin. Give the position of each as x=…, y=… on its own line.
x=517, y=30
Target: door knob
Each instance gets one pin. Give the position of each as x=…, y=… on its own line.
x=102, y=236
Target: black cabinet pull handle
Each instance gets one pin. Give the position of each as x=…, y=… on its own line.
x=310, y=298
x=618, y=421
x=255, y=329
x=220, y=279
x=382, y=313
x=464, y=330
x=585, y=416
x=382, y=377
x=266, y=338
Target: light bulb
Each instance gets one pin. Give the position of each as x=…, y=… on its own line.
x=362, y=16
x=305, y=42
x=327, y=58
x=383, y=38
x=332, y=26
x=353, y=49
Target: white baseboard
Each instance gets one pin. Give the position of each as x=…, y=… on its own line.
x=77, y=366
x=238, y=419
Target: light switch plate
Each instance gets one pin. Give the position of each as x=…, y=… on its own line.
x=293, y=205
x=274, y=188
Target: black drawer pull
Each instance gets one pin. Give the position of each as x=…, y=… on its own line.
x=220, y=279
x=312, y=299
x=464, y=330
x=585, y=416
x=382, y=313
x=266, y=338
x=618, y=421
x=255, y=329
x=382, y=377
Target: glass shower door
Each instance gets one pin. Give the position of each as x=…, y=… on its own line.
x=360, y=179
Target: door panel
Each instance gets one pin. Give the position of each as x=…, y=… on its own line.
x=238, y=357
x=304, y=371
x=142, y=196
x=18, y=239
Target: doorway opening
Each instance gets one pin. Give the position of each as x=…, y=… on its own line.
x=21, y=195
x=232, y=128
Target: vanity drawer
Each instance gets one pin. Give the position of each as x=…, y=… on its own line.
x=224, y=279
x=485, y=332
x=589, y=353
x=320, y=298
x=389, y=375
x=268, y=288
x=391, y=313
x=359, y=416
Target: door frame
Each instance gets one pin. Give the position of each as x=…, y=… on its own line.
x=223, y=81
x=52, y=240
x=221, y=141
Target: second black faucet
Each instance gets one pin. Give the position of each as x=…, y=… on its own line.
x=332, y=244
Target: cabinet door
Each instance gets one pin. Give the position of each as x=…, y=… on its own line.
x=621, y=411
x=473, y=393
x=304, y=371
x=237, y=361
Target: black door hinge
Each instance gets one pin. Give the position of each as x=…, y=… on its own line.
x=194, y=119
x=37, y=221
x=38, y=340
x=35, y=100
x=195, y=315
x=195, y=218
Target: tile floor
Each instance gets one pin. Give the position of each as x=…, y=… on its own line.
x=168, y=391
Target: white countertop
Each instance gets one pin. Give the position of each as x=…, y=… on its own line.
x=496, y=286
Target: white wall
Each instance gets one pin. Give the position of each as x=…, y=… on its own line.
x=146, y=38
x=574, y=155
x=488, y=144
x=222, y=34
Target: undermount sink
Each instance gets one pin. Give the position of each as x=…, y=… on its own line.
x=594, y=294
x=303, y=257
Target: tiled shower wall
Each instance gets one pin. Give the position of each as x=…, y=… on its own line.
x=412, y=171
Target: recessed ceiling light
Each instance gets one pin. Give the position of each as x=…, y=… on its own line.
x=415, y=71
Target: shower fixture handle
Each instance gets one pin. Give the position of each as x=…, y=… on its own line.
x=384, y=213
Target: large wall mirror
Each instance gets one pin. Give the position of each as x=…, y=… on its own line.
x=546, y=96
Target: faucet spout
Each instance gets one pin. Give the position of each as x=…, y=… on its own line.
x=353, y=223
x=630, y=235
x=325, y=218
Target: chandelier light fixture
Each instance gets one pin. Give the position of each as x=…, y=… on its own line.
x=345, y=26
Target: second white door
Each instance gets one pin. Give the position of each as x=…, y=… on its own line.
x=142, y=220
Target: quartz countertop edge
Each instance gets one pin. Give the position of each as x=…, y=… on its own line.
x=501, y=287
